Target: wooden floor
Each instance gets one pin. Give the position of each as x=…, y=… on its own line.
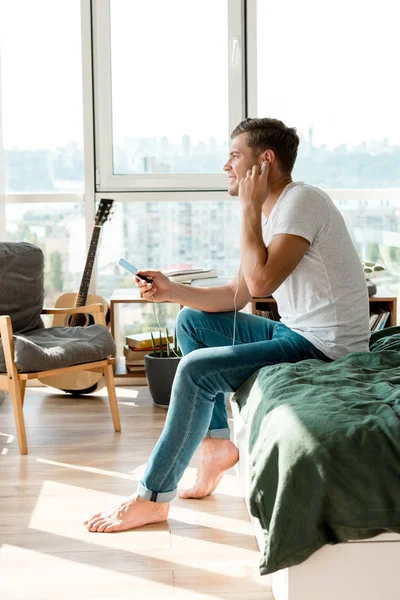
x=77, y=465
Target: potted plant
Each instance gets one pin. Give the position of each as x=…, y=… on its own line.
x=161, y=365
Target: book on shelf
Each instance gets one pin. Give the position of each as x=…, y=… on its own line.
x=138, y=369
x=189, y=275
x=378, y=320
x=134, y=356
x=142, y=341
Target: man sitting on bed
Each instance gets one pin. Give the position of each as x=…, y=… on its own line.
x=294, y=246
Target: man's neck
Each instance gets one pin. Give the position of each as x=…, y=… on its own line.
x=275, y=189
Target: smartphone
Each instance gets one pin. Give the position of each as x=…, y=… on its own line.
x=124, y=263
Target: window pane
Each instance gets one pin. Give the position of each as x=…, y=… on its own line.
x=42, y=95
x=334, y=76
x=169, y=235
x=169, y=86
x=375, y=229
x=59, y=230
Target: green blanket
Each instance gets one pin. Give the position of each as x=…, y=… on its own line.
x=324, y=440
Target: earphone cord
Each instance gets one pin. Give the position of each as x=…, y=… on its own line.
x=234, y=304
x=158, y=322
x=234, y=316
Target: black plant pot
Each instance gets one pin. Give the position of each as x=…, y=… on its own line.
x=160, y=373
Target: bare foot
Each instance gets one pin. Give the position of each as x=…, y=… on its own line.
x=131, y=513
x=217, y=456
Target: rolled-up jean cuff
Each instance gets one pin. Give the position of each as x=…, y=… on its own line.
x=155, y=496
x=219, y=434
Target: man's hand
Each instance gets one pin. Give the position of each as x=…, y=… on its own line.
x=253, y=188
x=161, y=290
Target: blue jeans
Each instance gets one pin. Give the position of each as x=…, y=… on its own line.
x=212, y=366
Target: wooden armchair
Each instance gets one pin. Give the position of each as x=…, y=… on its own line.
x=14, y=381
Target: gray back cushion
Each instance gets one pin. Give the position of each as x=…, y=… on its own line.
x=21, y=285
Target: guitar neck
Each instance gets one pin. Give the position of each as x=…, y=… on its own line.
x=87, y=274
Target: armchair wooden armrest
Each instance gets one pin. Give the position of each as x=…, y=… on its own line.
x=89, y=309
x=97, y=310
x=6, y=334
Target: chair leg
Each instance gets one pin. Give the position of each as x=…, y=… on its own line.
x=17, y=401
x=112, y=398
x=22, y=383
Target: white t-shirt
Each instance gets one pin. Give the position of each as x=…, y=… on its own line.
x=325, y=298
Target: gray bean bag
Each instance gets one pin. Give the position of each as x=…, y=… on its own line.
x=21, y=297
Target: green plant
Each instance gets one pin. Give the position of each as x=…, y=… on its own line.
x=171, y=351
x=177, y=349
x=154, y=345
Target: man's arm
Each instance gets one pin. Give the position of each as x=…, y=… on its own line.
x=218, y=298
x=265, y=269
x=213, y=299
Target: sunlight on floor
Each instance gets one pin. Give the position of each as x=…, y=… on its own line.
x=192, y=517
x=69, y=576
x=9, y=440
x=35, y=564
x=115, y=474
x=228, y=486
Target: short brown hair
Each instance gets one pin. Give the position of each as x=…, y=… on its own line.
x=271, y=134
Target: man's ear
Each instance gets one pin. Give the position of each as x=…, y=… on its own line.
x=268, y=156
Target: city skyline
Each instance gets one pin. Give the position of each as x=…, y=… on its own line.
x=371, y=164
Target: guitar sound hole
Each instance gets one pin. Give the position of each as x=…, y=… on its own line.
x=80, y=320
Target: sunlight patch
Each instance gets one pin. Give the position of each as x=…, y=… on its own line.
x=60, y=509
x=73, y=577
x=115, y=474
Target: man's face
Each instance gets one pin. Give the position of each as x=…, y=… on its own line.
x=241, y=159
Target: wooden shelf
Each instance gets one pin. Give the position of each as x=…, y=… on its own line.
x=122, y=371
x=382, y=299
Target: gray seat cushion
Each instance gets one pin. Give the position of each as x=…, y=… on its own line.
x=58, y=347
x=21, y=285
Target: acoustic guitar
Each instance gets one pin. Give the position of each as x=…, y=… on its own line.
x=82, y=382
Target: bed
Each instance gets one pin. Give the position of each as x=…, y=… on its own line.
x=320, y=471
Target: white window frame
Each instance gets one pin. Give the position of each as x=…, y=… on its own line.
x=106, y=180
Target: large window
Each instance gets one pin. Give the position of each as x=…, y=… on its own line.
x=41, y=95
x=169, y=86
x=161, y=84
x=169, y=81
x=333, y=76
x=331, y=71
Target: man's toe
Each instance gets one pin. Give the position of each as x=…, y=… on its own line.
x=94, y=525
x=103, y=525
x=113, y=527
x=96, y=516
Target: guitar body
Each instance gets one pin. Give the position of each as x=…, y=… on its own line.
x=69, y=301
x=82, y=382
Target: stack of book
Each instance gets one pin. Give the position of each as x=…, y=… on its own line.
x=377, y=320
x=189, y=275
x=137, y=345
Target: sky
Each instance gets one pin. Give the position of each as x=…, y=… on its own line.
x=330, y=66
